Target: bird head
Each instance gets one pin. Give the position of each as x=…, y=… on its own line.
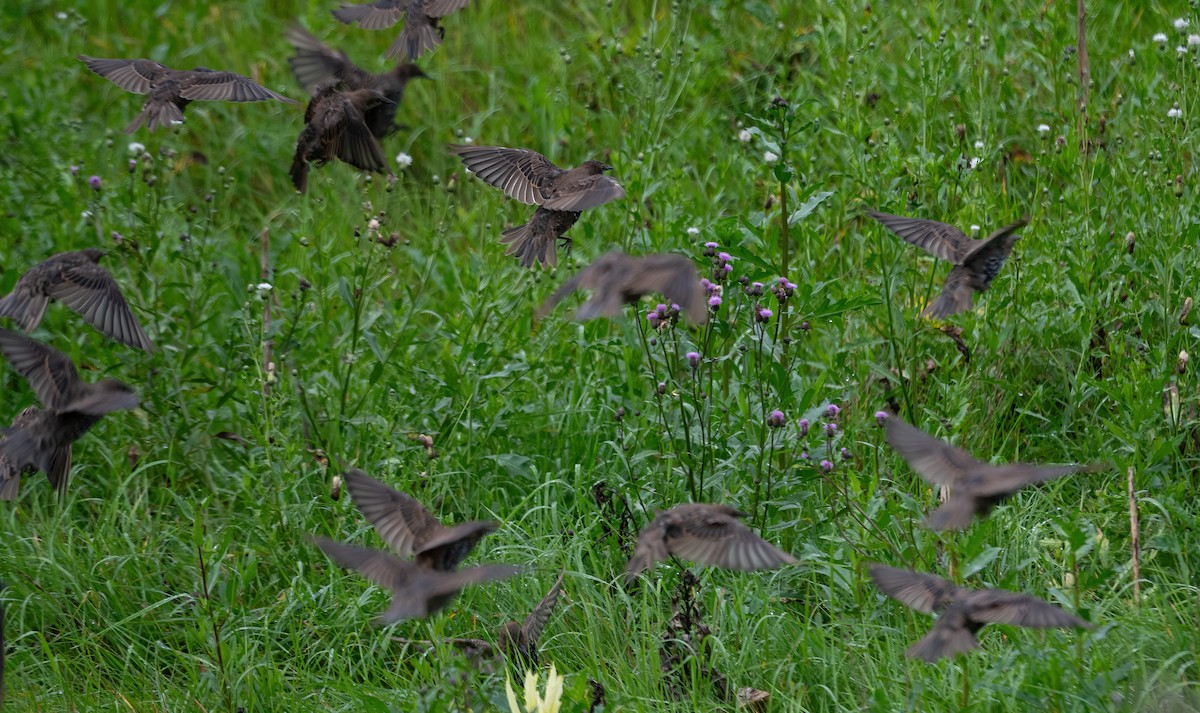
x=93, y=254
x=597, y=166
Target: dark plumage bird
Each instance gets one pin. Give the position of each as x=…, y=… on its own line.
x=963, y=612
x=171, y=90
x=77, y=280
x=71, y=407
x=519, y=641
x=617, y=279
x=560, y=194
x=10, y=473
x=335, y=127
x=421, y=32
x=708, y=534
x=409, y=529
x=976, y=262
x=417, y=590
x=314, y=63
x=975, y=487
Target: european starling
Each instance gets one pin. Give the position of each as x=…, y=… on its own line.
x=618, y=279
x=10, y=473
x=519, y=642
x=421, y=31
x=171, y=90
x=315, y=63
x=976, y=262
x=71, y=407
x=560, y=195
x=77, y=280
x=708, y=534
x=417, y=590
x=975, y=487
x=335, y=126
x=408, y=528
x=963, y=612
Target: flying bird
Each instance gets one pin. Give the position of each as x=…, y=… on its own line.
x=963, y=612
x=335, y=127
x=975, y=487
x=77, y=280
x=71, y=407
x=417, y=590
x=617, y=279
x=10, y=473
x=976, y=262
x=560, y=194
x=409, y=529
x=315, y=63
x=171, y=90
x=421, y=32
x=708, y=534
x=519, y=641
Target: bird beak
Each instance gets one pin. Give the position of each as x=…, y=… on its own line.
x=605, y=167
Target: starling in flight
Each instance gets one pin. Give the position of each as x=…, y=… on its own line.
x=421, y=31
x=417, y=590
x=409, y=529
x=975, y=487
x=335, y=126
x=77, y=280
x=560, y=195
x=519, y=642
x=708, y=534
x=976, y=262
x=617, y=279
x=315, y=63
x=171, y=90
x=70, y=407
x=963, y=612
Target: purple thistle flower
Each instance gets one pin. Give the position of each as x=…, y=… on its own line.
x=804, y=455
x=661, y=388
x=652, y=318
x=693, y=359
x=724, y=257
x=776, y=419
x=826, y=466
x=830, y=429
x=74, y=169
x=803, y=427
x=846, y=455
x=727, y=268
x=755, y=289
x=881, y=417
x=832, y=411
x=132, y=165
x=94, y=182
x=762, y=314
x=711, y=245
x=710, y=249
x=714, y=302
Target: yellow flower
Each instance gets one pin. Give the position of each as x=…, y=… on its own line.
x=534, y=703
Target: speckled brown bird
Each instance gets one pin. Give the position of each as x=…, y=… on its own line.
x=975, y=487
x=963, y=612
x=10, y=473
x=77, y=280
x=171, y=90
x=71, y=407
x=976, y=262
x=421, y=32
x=560, y=194
x=519, y=641
x=335, y=127
x=708, y=534
x=417, y=590
x=315, y=63
x=616, y=279
x=409, y=529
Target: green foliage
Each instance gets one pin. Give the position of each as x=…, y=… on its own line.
x=175, y=575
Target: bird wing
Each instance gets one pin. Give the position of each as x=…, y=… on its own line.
x=88, y=289
x=651, y=547
x=940, y=240
x=674, y=277
x=948, y=637
x=354, y=143
x=205, y=85
x=598, y=276
x=132, y=75
x=381, y=568
x=403, y=523
x=925, y=593
x=314, y=62
x=373, y=16
x=441, y=8
x=716, y=538
x=448, y=546
x=1002, y=480
x=982, y=249
x=588, y=192
x=955, y=296
x=429, y=590
x=954, y=514
x=1004, y=607
x=536, y=621
x=520, y=173
x=934, y=460
x=49, y=372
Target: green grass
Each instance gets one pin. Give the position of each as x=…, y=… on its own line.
x=183, y=582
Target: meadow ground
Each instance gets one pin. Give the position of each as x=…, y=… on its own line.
x=175, y=575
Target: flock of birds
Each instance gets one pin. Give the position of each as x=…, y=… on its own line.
x=350, y=112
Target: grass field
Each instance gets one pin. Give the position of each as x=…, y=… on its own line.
x=175, y=574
